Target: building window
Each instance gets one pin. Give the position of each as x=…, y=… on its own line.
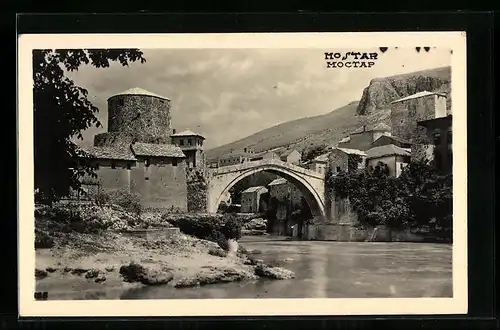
x=338, y=169
x=181, y=142
x=113, y=165
x=147, y=162
x=96, y=166
x=174, y=161
x=129, y=166
x=189, y=142
x=436, y=137
x=201, y=142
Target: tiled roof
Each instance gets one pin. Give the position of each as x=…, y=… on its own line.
x=381, y=127
x=188, y=133
x=287, y=152
x=117, y=153
x=278, y=182
x=253, y=189
x=394, y=138
x=352, y=151
x=322, y=157
x=157, y=150
x=417, y=95
x=139, y=91
x=387, y=150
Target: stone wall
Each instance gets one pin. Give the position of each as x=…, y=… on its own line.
x=349, y=233
x=161, y=185
x=146, y=118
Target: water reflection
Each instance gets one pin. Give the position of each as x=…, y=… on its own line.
x=332, y=270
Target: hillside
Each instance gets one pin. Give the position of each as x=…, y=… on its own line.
x=329, y=128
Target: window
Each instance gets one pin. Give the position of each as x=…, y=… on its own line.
x=129, y=166
x=190, y=142
x=436, y=137
x=174, y=161
x=146, y=162
x=97, y=166
x=113, y=165
x=338, y=169
x=401, y=165
x=181, y=142
x=201, y=142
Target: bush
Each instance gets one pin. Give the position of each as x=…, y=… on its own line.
x=127, y=200
x=232, y=226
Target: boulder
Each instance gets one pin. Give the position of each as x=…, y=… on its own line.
x=276, y=273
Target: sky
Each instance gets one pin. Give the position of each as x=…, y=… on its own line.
x=228, y=94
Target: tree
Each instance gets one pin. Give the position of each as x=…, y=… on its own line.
x=61, y=112
x=313, y=152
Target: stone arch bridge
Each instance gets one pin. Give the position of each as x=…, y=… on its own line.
x=310, y=183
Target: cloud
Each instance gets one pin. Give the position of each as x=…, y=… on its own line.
x=228, y=94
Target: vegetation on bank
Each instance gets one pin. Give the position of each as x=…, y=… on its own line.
x=419, y=199
x=83, y=245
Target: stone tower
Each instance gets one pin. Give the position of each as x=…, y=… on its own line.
x=408, y=111
x=136, y=115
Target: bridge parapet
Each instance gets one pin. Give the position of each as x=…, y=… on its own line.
x=264, y=163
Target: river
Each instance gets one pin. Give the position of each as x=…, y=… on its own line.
x=332, y=270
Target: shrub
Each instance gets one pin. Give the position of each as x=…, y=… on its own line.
x=232, y=226
x=127, y=200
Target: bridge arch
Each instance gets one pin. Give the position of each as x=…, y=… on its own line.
x=310, y=183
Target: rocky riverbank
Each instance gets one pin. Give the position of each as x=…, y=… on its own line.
x=80, y=265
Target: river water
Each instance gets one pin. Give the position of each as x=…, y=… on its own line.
x=332, y=270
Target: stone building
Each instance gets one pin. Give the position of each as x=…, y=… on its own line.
x=284, y=190
x=264, y=155
x=363, y=137
x=319, y=164
x=436, y=144
x=291, y=156
x=236, y=157
x=345, y=160
x=250, y=199
x=406, y=112
x=394, y=157
x=137, y=155
x=192, y=145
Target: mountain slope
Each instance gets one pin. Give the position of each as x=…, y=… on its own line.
x=329, y=128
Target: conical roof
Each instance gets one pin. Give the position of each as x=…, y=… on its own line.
x=139, y=91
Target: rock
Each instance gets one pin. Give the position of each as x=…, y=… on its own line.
x=137, y=273
x=50, y=269
x=79, y=271
x=39, y=274
x=93, y=273
x=276, y=273
x=217, y=252
x=100, y=278
x=109, y=269
x=213, y=276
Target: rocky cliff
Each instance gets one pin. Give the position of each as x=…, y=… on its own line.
x=382, y=91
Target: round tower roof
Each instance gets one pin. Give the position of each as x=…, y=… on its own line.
x=139, y=91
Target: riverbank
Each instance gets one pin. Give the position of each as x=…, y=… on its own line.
x=87, y=265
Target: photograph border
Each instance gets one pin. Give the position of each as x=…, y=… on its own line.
x=246, y=307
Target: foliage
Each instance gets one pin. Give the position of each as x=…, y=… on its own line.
x=127, y=200
x=353, y=162
x=196, y=191
x=62, y=111
x=420, y=197
x=313, y=152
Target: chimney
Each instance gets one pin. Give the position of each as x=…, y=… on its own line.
x=174, y=131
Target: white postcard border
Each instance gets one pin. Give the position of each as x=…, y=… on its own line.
x=240, y=307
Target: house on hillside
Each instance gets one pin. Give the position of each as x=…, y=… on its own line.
x=236, y=157
x=264, y=155
x=397, y=141
x=394, y=157
x=363, y=137
x=319, y=164
x=250, y=199
x=346, y=160
x=291, y=156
